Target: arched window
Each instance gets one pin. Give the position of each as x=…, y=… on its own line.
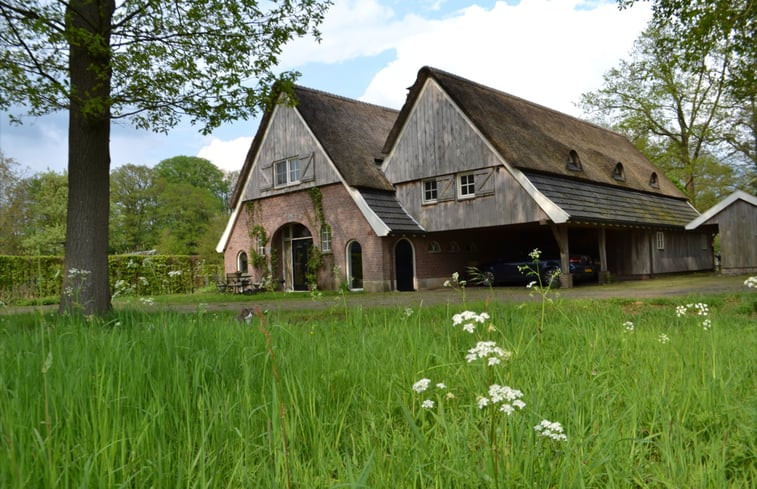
x=242, y=262
x=355, y=265
x=433, y=247
x=618, y=173
x=574, y=162
x=653, y=181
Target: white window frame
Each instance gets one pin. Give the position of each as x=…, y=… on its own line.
x=660, y=240
x=466, y=190
x=430, y=186
x=326, y=239
x=290, y=169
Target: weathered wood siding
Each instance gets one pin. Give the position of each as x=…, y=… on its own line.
x=288, y=136
x=439, y=142
x=684, y=252
x=738, y=237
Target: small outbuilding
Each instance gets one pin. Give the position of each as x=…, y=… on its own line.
x=735, y=218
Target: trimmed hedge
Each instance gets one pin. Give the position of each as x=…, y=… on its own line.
x=27, y=277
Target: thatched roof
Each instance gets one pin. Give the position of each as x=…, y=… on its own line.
x=351, y=132
x=535, y=138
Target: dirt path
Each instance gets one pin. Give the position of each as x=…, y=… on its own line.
x=668, y=286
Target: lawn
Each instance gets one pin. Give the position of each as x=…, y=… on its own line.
x=645, y=395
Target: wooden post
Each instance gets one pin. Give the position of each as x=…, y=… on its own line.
x=604, y=275
x=560, y=231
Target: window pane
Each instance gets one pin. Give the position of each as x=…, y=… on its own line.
x=280, y=171
x=429, y=190
x=467, y=185
x=294, y=170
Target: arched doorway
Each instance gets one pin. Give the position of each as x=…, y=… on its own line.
x=404, y=265
x=242, y=262
x=296, y=242
x=355, y=265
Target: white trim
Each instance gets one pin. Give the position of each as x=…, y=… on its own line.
x=717, y=208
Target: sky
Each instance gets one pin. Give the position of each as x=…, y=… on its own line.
x=545, y=51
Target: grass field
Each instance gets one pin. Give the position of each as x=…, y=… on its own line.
x=325, y=399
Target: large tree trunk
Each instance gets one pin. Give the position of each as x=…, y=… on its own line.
x=85, y=278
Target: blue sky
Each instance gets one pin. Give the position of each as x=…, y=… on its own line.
x=546, y=51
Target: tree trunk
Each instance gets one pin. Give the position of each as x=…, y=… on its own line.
x=85, y=278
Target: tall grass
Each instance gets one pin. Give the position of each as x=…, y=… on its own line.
x=171, y=400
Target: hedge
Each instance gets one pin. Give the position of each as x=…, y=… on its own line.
x=26, y=277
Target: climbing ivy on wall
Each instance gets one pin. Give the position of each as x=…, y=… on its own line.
x=315, y=256
x=257, y=234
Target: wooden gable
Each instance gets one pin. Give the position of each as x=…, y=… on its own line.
x=288, y=137
x=438, y=142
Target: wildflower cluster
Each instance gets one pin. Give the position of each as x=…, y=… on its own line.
x=628, y=325
x=551, y=429
x=663, y=338
x=504, y=395
x=751, y=282
x=455, y=282
x=699, y=309
x=423, y=385
x=489, y=350
x=468, y=320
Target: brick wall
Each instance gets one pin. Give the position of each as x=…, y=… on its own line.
x=340, y=212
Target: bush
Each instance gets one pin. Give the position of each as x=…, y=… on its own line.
x=30, y=277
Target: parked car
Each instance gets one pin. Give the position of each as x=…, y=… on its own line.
x=506, y=272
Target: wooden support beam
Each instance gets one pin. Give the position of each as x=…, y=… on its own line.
x=560, y=232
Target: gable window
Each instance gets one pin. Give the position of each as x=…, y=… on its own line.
x=326, y=238
x=287, y=172
x=660, y=240
x=430, y=191
x=574, y=162
x=618, y=173
x=466, y=186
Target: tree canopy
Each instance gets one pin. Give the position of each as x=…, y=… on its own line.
x=150, y=62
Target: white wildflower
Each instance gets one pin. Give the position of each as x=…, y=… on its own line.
x=482, y=402
x=706, y=324
x=628, y=325
x=174, y=273
x=663, y=338
x=531, y=284
x=751, y=282
x=488, y=350
x=535, y=254
x=421, y=385
x=427, y=404
x=469, y=319
x=551, y=429
x=441, y=385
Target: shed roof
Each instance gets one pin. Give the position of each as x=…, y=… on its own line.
x=599, y=203
x=386, y=206
x=713, y=211
x=535, y=138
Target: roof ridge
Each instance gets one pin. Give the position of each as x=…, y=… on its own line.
x=342, y=97
x=432, y=70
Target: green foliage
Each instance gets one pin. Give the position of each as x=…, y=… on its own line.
x=185, y=214
x=26, y=277
x=44, y=225
x=133, y=209
x=194, y=171
x=166, y=399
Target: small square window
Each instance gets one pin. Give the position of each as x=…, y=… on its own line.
x=430, y=192
x=466, y=186
x=660, y=239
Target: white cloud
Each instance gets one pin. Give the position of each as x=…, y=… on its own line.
x=226, y=155
x=545, y=51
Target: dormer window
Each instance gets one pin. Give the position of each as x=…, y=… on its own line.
x=574, y=162
x=653, y=181
x=618, y=173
